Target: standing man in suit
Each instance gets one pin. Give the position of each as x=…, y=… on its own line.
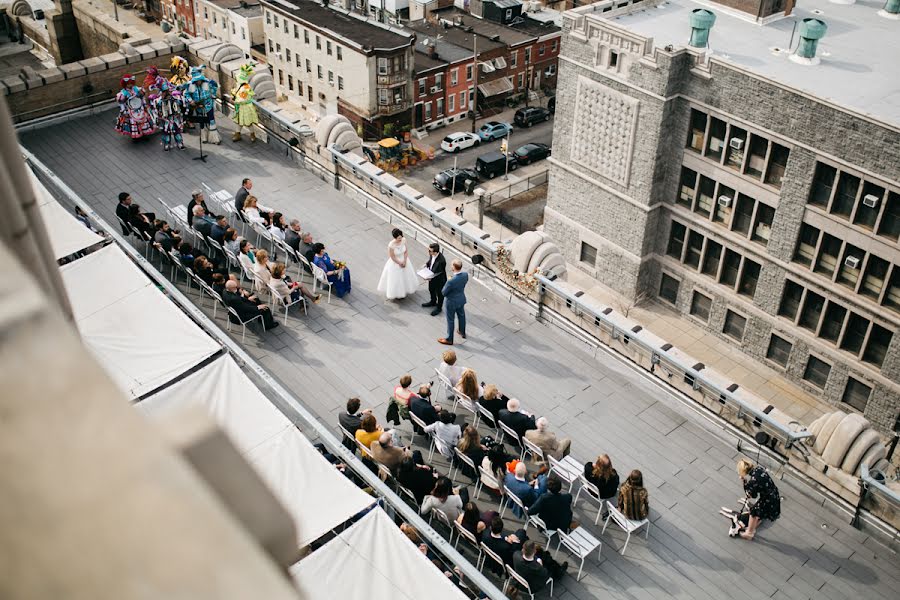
x=454, y=292
x=437, y=265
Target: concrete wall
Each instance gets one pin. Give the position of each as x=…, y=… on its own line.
x=101, y=34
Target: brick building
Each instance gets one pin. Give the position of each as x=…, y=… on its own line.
x=181, y=14
x=443, y=82
x=749, y=184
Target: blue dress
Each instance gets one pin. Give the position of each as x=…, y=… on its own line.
x=341, y=283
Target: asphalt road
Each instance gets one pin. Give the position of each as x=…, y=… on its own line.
x=421, y=175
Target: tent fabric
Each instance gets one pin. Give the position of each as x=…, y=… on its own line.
x=67, y=234
x=316, y=494
x=372, y=559
x=496, y=86
x=229, y=397
x=140, y=337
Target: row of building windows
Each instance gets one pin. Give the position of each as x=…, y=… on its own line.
x=320, y=71
x=438, y=86
x=330, y=49
x=711, y=258
x=721, y=204
x=863, y=203
x=747, y=153
x=843, y=263
x=816, y=371
x=826, y=319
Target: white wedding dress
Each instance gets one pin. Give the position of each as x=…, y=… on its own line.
x=397, y=283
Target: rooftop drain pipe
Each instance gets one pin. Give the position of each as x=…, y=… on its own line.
x=891, y=10
x=811, y=31
x=701, y=22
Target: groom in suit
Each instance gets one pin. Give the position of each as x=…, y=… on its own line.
x=437, y=265
x=454, y=292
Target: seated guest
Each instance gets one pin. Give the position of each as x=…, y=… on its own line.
x=278, y=226
x=493, y=400
x=468, y=385
x=307, y=248
x=634, y=502
x=139, y=221
x=219, y=228
x=368, y=431
x=471, y=446
x=445, y=431
x=166, y=237
x=293, y=234
x=494, y=463
x=514, y=418
x=247, y=257
x=474, y=521
x=403, y=396
x=241, y=196
x=284, y=287
x=261, y=269
x=202, y=222
x=82, y=218
x=245, y=307
x=536, y=566
x=419, y=479
x=122, y=212
x=503, y=546
x=197, y=199
x=442, y=498
x=554, y=507
x=518, y=485
x=384, y=451
x=546, y=440
x=204, y=269
x=230, y=241
x=187, y=255
x=218, y=283
x=602, y=475
x=350, y=420
x=449, y=369
x=339, y=278
x=254, y=213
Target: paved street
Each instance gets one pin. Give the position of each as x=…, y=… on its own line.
x=361, y=345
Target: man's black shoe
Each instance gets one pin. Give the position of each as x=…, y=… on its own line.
x=427, y=304
x=435, y=312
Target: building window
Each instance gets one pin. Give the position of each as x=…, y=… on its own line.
x=541, y=50
x=330, y=77
x=811, y=312
x=778, y=158
x=832, y=322
x=762, y=227
x=716, y=141
x=451, y=104
x=676, y=240
x=845, y=195
x=440, y=107
x=243, y=33
x=280, y=77
x=856, y=394
x=306, y=36
x=822, y=185
x=469, y=72
x=328, y=47
x=271, y=46
x=308, y=66
x=310, y=92
x=278, y=48
x=877, y=345
x=275, y=17
x=427, y=111
x=287, y=54
x=290, y=82
x=384, y=96
x=296, y=32
x=700, y=306
x=890, y=219
x=514, y=59
x=319, y=71
x=731, y=266
x=521, y=82
x=382, y=66
x=668, y=288
x=340, y=52
x=875, y=275
x=318, y=43
x=268, y=16
x=613, y=59
x=527, y=55
x=779, y=350
x=340, y=82
x=686, y=190
x=462, y=101
x=734, y=325
x=588, y=254
x=850, y=265
x=749, y=278
x=855, y=333
x=829, y=250
x=712, y=258
x=705, y=196
x=697, y=130
x=551, y=71
x=817, y=372
x=454, y=77
x=743, y=214
x=297, y=59
x=422, y=87
x=694, y=250
x=555, y=46
x=806, y=245
x=439, y=82
x=756, y=156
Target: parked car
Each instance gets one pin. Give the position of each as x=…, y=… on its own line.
x=530, y=153
x=527, y=117
x=444, y=181
x=494, y=130
x=494, y=163
x=459, y=141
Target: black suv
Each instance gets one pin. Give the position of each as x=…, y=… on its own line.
x=443, y=181
x=527, y=117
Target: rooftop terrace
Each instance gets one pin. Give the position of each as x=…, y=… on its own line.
x=859, y=53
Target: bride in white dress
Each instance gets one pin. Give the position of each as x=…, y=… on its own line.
x=398, y=279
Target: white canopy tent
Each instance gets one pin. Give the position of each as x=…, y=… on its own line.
x=139, y=336
x=318, y=497
x=67, y=235
x=372, y=559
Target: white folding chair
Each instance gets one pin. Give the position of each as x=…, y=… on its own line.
x=293, y=255
x=462, y=532
x=523, y=585
x=244, y=323
x=462, y=457
x=416, y=421
x=580, y=543
x=443, y=518
x=528, y=447
x=626, y=524
x=487, y=553
x=541, y=526
x=233, y=261
x=593, y=493
x=349, y=437
x=567, y=470
x=405, y=491
x=287, y=301
x=488, y=417
x=321, y=279
x=461, y=400
x=445, y=383
x=442, y=447
x=485, y=474
x=385, y=473
x=511, y=433
x=510, y=498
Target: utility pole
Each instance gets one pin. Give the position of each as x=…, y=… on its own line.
x=453, y=181
x=475, y=83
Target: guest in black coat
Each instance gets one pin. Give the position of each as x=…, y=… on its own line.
x=536, y=573
x=419, y=479
x=503, y=546
x=602, y=474
x=246, y=308
x=554, y=507
x=197, y=199
x=516, y=420
x=350, y=420
x=493, y=400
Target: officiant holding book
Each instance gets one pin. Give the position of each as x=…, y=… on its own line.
x=436, y=265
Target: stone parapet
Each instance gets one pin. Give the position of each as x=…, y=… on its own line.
x=100, y=33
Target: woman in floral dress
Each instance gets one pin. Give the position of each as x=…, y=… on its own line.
x=758, y=483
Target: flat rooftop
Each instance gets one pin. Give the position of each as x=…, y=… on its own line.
x=859, y=53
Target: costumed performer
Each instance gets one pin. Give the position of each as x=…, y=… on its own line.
x=245, y=114
x=200, y=95
x=134, y=118
x=169, y=107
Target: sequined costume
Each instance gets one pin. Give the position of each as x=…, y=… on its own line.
x=169, y=108
x=245, y=114
x=134, y=119
x=154, y=85
x=180, y=70
x=200, y=96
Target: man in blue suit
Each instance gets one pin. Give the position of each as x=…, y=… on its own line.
x=454, y=292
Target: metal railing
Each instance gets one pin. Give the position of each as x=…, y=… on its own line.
x=878, y=487
x=514, y=189
x=298, y=413
x=659, y=358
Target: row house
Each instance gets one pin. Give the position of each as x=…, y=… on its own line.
x=239, y=22
x=180, y=14
x=333, y=62
x=538, y=60
x=443, y=82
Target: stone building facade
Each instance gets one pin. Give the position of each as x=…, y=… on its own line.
x=764, y=213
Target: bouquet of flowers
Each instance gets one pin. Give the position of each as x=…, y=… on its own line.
x=339, y=264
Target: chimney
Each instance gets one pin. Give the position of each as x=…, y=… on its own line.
x=431, y=50
x=702, y=21
x=891, y=10
x=810, y=31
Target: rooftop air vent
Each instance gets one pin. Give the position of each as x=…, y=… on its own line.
x=891, y=10
x=811, y=31
x=702, y=21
